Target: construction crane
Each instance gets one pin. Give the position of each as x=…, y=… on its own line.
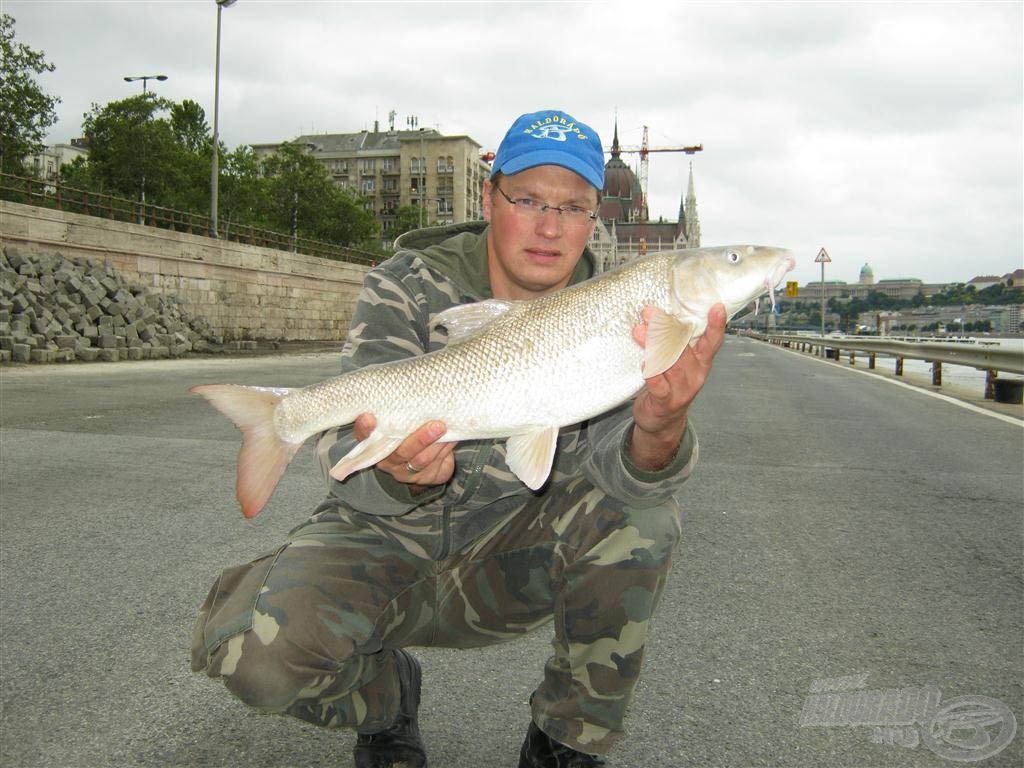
x=644, y=150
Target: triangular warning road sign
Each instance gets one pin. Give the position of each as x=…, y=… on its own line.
x=823, y=257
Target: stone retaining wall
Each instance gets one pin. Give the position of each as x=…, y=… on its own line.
x=243, y=292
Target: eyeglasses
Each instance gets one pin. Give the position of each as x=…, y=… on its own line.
x=570, y=214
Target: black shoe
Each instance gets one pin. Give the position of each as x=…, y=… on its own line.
x=541, y=751
x=400, y=745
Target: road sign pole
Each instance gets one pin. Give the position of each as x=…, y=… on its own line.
x=823, y=298
x=822, y=259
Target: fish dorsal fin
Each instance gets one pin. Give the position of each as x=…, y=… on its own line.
x=467, y=320
x=365, y=454
x=530, y=455
x=667, y=338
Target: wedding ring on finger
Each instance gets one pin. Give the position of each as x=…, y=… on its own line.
x=412, y=470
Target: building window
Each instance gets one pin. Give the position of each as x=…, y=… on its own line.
x=368, y=186
x=390, y=164
x=446, y=164
x=444, y=208
x=418, y=166
x=368, y=165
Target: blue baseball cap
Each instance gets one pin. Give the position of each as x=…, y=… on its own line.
x=551, y=137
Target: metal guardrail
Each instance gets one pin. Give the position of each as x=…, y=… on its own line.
x=48, y=194
x=990, y=357
x=974, y=353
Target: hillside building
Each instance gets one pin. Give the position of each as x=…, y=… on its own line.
x=900, y=288
x=1004, y=318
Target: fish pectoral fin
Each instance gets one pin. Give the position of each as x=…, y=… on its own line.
x=366, y=453
x=667, y=338
x=530, y=455
x=467, y=320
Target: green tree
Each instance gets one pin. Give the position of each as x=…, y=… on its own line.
x=348, y=220
x=407, y=218
x=243, y=191
x=78, y=174
x=27, y=111
x=147, y=147
x=132, y=153
x=191, y=190
x=302, y=200
x=188, y=121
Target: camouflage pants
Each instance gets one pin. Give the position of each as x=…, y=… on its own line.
x=307, y=630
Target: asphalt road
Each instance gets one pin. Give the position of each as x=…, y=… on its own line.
x=837, y=526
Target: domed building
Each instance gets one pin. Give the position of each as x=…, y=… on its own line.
x=624, y=214
x=622, y=199
x=867, y=275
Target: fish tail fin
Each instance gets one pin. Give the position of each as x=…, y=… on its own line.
x=264, y=455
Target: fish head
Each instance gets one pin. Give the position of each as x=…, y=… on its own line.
x=732, y=275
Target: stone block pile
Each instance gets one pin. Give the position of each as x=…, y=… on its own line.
x=56, y=309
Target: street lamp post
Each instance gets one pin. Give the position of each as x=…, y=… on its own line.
x=142, y=182
x=144, y=79
x=215, y=160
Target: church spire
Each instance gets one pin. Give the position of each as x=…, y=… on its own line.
x=615, y=141
x=688, y=215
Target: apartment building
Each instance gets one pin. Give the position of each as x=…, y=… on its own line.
x=443, y=175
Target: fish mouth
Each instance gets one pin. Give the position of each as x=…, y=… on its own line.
x=773, y=278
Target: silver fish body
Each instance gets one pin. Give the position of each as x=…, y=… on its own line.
x=523, y=371
x=520, y=370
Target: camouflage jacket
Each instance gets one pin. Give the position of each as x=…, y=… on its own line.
x=432, y=270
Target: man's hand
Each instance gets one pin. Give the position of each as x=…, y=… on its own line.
x=432, y=461
x=660, y=410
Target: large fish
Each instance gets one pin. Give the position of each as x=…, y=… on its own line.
x=519, y=370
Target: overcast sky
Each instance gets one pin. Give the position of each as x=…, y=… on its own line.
x=889, y=133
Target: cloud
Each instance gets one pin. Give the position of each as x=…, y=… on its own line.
x=888, y=132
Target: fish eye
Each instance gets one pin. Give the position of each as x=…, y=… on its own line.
x=733, y=257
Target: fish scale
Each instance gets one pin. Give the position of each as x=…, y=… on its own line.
x=520, y=370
